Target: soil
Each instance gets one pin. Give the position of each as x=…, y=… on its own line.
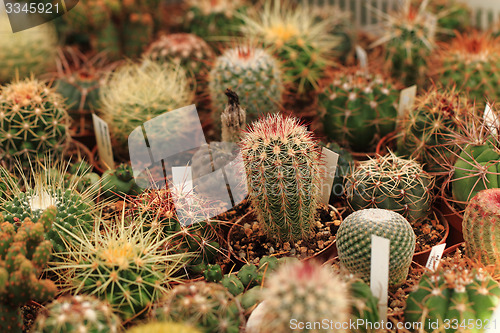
x=29, y=313
x=429, y=233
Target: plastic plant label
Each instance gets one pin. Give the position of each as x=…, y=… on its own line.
x=406, y=100
x=435, y=256
x=362, y=57
x=490, y=120
x=379, y=273
x=103, y=139
x=331, y=159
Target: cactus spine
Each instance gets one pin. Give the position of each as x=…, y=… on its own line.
x=282, y=162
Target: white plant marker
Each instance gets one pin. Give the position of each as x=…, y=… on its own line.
x=379, y=273
x=182, y=178
x=103, y=139
x=362, y=57
x=406, y=100
x=331, y=160
x=490, y=120
x=435, y=256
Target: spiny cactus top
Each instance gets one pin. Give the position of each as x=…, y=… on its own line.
x=34, y=122
x=282, y=162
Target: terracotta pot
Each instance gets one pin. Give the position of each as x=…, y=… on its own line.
x=77, y=151
x=322, y=256
x=422, y=256
x=387, y=142
x=452, y=213
x=362, y=156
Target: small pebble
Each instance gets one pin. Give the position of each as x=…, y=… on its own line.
x=321, y=244
x=286, y=246
x=271, y=250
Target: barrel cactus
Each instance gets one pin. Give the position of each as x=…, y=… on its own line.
x=358, y=108
x=253, y=74
x=74, y=314
x=34, y=122
x=163, y=327
x=282, y=162
x=354, y=242
x=393, y=183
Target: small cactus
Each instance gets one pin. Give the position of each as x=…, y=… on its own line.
x=119, y=182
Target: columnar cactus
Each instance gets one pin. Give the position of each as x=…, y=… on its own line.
x=354, y=242
x=359, y=108
x=481, y=227
x=209, y=306
x=23, y=256
x=282, y=162
x=451, y=296
x=33, y=121
x=74, y=314
x=253, y=74
x=393, y=183
x=163, y=327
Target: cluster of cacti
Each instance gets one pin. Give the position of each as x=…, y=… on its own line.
x=34, y=122
x=470, y=62
x=344, y=164
x=481, y=227
x=282, y=162
x=393, y=183
x=119, y=182
x=254, y=74
x=354, y=242
x=23, y=256
x=291, y=32
x=359, y=108
x=163, y=327
x=453, y=294
x=75, y=314
x=209, y=306
x=430, y=125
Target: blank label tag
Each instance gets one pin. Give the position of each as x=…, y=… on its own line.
x=435, y=256
x=406, y=100
x=362, y=57
x=331, y=160
x=490, y=120
x=103, y=139
x=379, y=273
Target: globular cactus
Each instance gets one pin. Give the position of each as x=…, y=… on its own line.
x=26, y=52
x=282, y=162
x=119, y=182
x=254, y=74
x=136, y=93
x=430, y=125
x=33, y=121
x=304, y=45
x=354, y=242
x=209, y=306
x=358, y=108
x=163, y=327
x=453, y=297
x=481, y=228
x=470, y=62
x=74, y=314
x=23, y=256
x=393, y=183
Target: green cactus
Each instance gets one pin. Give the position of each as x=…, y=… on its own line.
x=73, y=314
x=232, y=284
x=359, y=109
x=354, y=242
x=163, y=327
x=209, y=306
x=282, y=162
x=481, y=228
x=34, y=122
x=253, y=74
x=137, y=32
x=450, y=295
x=249, y=276
x=391, y=182
x=344, y=165
x=452, y=16
x=213, y=273
x=23, y=256
x=119, y=182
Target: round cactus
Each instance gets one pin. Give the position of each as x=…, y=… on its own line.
x=253, y=74
x=481, y=227
x=354, y=242
x=74, y=314
x=393, y=183
x=34, y=122
x=282, y=162
x=119, y=182
x=209, y=306
x=163, y=327
x=359, y=109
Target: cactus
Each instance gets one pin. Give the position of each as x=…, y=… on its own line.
x=119, y=182
x=429, y=126
x=453, y=294
x=232, y=284
x=209, y=306
x=344, y=165
x=470, y=62
x=354, y=242
x=481, y=228
x=393, y=183
x=359, y=108
x=27, y=52
x=451, y=16
x=136, y=93
x=23, y=256
x=409, y=38
x=249, y=276
x=33, y=121
x=253, y=74
x=163, y=327
x=282, y=162
x=213, y=273
x=7, y=182
x=74, y=314
x=291, y=32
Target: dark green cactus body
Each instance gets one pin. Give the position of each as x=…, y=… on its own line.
x=354, y=242
x=80, y=91
x=213, y=273
x=359, y=109
x=249, y=276
x=233, y=284
x=119, y=182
